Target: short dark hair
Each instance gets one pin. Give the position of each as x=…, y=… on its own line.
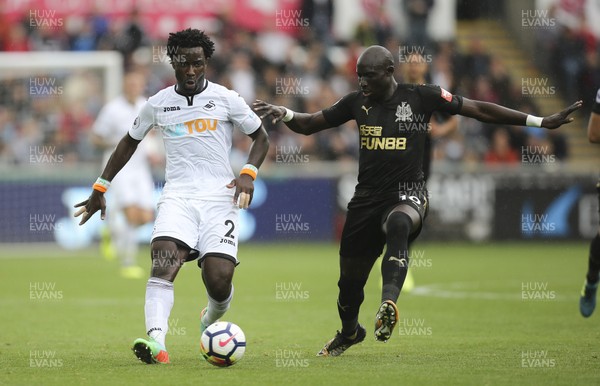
x=189, y=38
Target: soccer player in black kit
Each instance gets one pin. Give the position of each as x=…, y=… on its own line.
x=390, y=200
x=587, y=302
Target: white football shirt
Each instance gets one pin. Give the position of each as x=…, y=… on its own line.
x=197, y=138
x=113, y=122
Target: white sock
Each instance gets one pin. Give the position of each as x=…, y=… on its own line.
x=159, y=301
x=130, y=249
x=125, y=240
x=216, y=309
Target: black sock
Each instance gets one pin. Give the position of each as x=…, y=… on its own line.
x=594, y=261
x=394, y=265
x=349, y=300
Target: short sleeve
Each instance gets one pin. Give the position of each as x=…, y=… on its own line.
x=242, y=116
x=143, y=122
x=437, y=99
x=340, y=112
x=596, y=106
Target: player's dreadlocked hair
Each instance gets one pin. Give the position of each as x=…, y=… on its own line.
x=189, y=38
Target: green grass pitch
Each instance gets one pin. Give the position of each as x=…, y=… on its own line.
x=492, y=314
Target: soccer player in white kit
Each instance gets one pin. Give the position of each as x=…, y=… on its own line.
x=132, y=203
x=198, y=210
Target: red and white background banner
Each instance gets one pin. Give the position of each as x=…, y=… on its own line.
x=158, y=17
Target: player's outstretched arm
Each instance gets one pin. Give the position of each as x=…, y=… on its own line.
x=493, y=113
x=301, y=123
x=118, y=159
x=244, y=184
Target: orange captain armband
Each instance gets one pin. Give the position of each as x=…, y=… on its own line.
x=250, y=170
x=101, y=185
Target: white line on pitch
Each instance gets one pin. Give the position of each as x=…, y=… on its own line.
x=458, y=290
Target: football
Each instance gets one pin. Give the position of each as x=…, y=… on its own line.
x=223, y=344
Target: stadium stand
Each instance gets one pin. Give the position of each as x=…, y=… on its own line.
x=312, y=69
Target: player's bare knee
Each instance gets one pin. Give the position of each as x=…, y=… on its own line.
x=217, y=274
x=167, y=259
x=219, y=290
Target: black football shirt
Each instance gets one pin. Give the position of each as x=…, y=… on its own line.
x=596, y=106
x=392, y=133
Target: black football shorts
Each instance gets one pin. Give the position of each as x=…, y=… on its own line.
x=363, y=236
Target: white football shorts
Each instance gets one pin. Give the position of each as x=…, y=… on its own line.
x=132, y=187
x=210, y=227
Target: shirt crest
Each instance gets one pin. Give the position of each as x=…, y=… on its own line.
x=403, y=113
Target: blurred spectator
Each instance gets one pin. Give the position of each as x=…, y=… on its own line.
x=132, y=36
x=364, y=34
x=241, y=77
x=320, y=16
x=589, y=79
x=539, y=150
x=569, y=50
x=483, y=90
x=16, y=39
x=100, y=25
x=376, y=26
x=500, y=82
x=29, y=137
x=559, y=144
x=82, y=36
x=500, y=151
x=274, y=45
x=108, y=40
x=46, y=38
x=476, y=61
x=418, y=13
x=569, y=13
x=74, y=124
x=441, y=73
x=8, y=135
x=316, y=69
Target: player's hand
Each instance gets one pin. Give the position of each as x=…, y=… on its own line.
x=90, y=206
x=556, y=120
x=244, y=189
x=264, y=109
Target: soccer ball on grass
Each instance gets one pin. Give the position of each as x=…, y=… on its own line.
x=223, y=344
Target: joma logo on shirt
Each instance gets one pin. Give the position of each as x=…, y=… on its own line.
x=172, y=108
x=201, y=125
